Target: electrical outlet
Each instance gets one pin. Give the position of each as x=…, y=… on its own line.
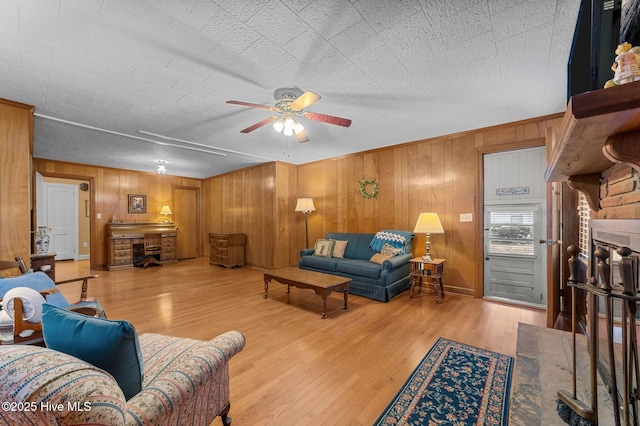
x=99, y=216
x=466, y=217
x=85, y=244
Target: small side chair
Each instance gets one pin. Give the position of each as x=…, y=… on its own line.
x=41, y=282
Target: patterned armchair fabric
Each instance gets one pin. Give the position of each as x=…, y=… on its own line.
x=186, y=381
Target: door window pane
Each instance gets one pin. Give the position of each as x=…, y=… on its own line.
x=511, y=232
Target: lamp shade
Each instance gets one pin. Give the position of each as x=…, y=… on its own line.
x=165, y=210
x=305, y=205
x=428, y=223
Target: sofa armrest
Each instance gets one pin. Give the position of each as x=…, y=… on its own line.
x=183, y=376
x=306, y=252
x=230, y=343
x=397, y=261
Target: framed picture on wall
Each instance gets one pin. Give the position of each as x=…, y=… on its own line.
x=137, y=203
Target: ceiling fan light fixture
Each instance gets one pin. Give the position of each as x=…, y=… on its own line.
x=297, y=127
x=278, y=125
x=289, y=125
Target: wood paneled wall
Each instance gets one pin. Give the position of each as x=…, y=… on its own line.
x=109, y=189
x=16, y=146
x=258, y=202
x=442, y=175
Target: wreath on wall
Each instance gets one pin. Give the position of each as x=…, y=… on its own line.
x=369, y=188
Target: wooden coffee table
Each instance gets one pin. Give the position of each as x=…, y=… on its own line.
x=322, y=284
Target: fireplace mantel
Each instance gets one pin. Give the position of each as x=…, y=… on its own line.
x=600, y=128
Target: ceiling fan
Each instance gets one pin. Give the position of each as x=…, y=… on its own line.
x=290, y=103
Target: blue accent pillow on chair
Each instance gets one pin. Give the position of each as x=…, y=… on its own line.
x=107, y=344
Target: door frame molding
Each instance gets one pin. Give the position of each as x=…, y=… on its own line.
x=553, y=289
x=93, y=230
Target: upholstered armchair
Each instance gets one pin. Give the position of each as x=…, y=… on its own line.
x=185, y=381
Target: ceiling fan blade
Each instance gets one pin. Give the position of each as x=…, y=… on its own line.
x=302, y=136
x=304, y=100
x=260, y=124
x=331, y=119
x=250, y=105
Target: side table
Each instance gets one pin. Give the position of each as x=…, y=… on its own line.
x=427, y=272
x=45, y=263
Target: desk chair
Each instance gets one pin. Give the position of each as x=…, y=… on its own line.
x=152, y=250
x=40, y=282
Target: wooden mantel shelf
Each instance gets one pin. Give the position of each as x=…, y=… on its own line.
x=599, y=128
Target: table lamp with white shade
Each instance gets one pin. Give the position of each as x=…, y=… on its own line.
x=166, y=211
x=428, y=223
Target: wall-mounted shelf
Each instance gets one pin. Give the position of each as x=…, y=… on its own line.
x=592, y=119
x=599, y=128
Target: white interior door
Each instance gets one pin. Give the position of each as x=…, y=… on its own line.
x=62, y=219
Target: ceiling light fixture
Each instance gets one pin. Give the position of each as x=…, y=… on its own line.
x=287, y=125
x=161, y=169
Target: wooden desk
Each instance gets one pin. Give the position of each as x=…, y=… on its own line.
x=423, y=271
x=125, y=243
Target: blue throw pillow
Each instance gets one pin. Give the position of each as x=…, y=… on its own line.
x=107, y=344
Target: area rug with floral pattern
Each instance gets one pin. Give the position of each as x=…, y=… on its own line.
x=454, y=384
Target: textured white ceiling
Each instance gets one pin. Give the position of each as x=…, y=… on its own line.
x=403, y=70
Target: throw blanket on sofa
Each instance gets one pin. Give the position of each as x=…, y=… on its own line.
x=396, y=239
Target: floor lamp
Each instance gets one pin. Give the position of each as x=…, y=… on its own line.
x=305, y=205
x=428, y=223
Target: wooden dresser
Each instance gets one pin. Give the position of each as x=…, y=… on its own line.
x=226, y=249
x=125, y=243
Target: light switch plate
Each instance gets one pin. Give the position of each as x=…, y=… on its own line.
x=466, y=217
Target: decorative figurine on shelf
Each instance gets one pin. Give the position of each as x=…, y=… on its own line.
x=626, y=67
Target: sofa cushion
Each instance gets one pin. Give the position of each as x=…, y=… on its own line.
x=379, y=258
x=389, y=250
x=318, y=262
x=324, y=248
x=357, y=246
x=38, y=281
x=107, y=344
x=339, y=247
x=362, y=268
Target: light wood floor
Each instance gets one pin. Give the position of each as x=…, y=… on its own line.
x=296, y=368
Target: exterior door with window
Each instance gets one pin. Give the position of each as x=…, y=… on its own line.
x=514, y=222
x=513, y=256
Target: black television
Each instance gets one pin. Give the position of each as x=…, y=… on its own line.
x=595, y=39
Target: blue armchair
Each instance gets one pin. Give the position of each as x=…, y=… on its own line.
x=25, y=331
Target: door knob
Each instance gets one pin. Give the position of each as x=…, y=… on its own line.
x=550, y=242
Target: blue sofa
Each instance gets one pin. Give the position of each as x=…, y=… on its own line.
x=368, y=279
